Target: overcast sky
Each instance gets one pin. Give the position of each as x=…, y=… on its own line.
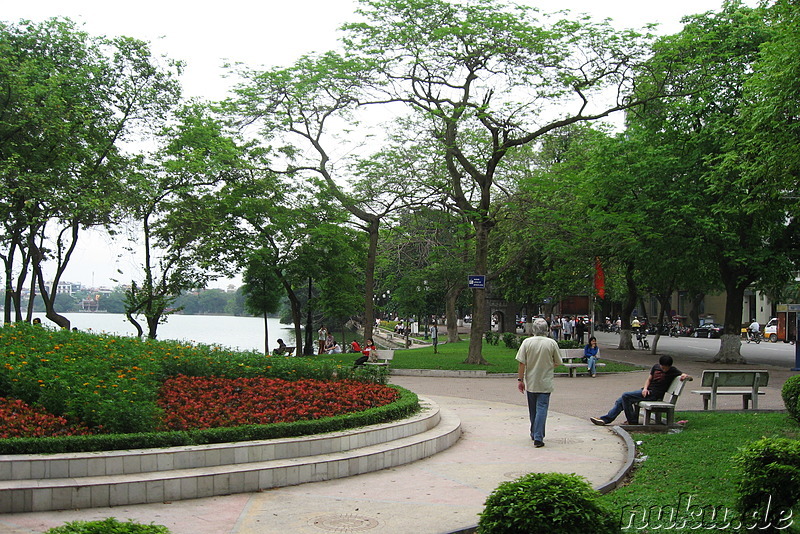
x=268, y=32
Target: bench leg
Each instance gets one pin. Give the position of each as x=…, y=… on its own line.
x=705, y=402
x=572, y=372
x=670, y=417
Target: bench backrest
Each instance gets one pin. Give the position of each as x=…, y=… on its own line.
x=735, y=378
x=674, y=390
x=571, y=354
x=383, y=354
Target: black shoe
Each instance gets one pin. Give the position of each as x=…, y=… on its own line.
x=538, y=444
x=597, y=421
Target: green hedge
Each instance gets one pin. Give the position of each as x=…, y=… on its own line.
x=769, y=484
x=555, y=503
x=406, y=405
x=790, y=393
x=108, y=526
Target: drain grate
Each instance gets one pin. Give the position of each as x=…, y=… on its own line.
x=343, y=523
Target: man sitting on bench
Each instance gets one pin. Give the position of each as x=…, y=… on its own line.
x=657, y=383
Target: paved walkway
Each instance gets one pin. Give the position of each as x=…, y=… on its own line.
x=440, y=494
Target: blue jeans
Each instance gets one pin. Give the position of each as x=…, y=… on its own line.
x=538, y=403
x=629, y=403
x=591, y=361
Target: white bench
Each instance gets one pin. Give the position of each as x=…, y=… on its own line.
x=569, y=357
x=747, y=383
x=380, y=357
x=666, y=406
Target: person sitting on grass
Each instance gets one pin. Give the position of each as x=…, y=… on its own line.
x=656, y=385
x=354, y=346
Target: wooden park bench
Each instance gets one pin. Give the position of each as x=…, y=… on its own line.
x=381, y=357
x=666, y=406
x=745, y=382
x=573, y=360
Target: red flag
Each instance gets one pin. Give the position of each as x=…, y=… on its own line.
x=599, y=278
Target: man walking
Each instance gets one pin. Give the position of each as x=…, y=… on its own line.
x=537, y=356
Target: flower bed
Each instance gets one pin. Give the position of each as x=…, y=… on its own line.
x=191, y=403
x=129, y=393
x=208, y=402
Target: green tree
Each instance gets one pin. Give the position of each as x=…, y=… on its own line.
x=743, y=217
x=71, y=101
x=262, y=289
x=171, y=194
x=297, y=109
x=490, y=77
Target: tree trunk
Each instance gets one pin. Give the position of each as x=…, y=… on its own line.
x=310, y=349
x=296, y=311
x=625, y=341
x=664, y=304
x=694, y=312
x=731, y=339
x=266, y=334
x=152, y=325
x=476, y=332
x=369, y=282
x=136, y=325
x=451, y=314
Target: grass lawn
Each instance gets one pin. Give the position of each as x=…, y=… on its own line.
x=696, y=463
x=451, y=356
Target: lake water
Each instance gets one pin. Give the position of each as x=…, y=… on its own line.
x=245, y=333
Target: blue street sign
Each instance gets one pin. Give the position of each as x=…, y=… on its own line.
x=477, y=281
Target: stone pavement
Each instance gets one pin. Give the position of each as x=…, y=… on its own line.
x=440, y=494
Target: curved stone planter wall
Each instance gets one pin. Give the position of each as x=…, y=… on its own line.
x=30, y=483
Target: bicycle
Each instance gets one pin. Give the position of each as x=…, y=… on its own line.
x=755, y=337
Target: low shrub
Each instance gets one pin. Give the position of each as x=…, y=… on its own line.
x=493, y=338
x=555, y=503
x=569, y=344
x=107, y=526
x=791, y=396
x=769, y=484
x=511, y=340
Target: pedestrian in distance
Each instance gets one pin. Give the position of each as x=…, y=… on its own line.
x=435, y=338
x=538, y=356
x=322, y=336
x=658, y=381
x=580, y=330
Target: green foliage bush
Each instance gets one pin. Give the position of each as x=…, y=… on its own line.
x=493, y=338
x=769, y=484
x=791, y=396
x=569, y=344
x=555, y=503
x=511, y=340
x=108, y=526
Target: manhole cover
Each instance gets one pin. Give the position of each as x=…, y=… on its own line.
x=343, y=523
